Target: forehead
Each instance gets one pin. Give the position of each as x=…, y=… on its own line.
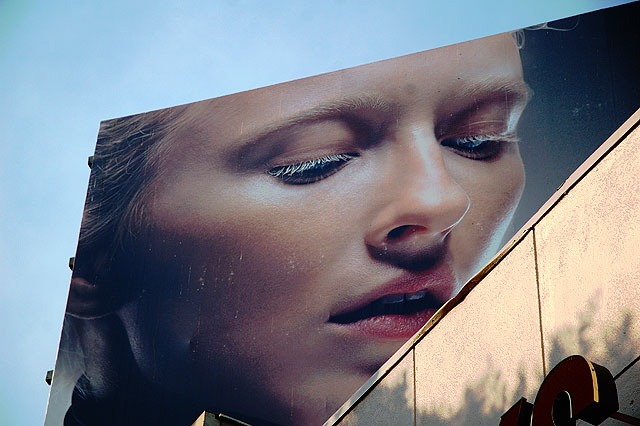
x=422, y=81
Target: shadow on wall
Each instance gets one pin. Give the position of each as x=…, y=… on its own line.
x=487, y=399
x=616, y=347
x=482, y=404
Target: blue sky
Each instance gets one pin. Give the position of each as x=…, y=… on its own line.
x=65, y=66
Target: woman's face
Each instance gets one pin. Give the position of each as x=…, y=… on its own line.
x=301, y=233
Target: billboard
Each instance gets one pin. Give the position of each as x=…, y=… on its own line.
x=262, y=254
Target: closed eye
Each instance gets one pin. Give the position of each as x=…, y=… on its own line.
x=313, y=170
x=480, y=147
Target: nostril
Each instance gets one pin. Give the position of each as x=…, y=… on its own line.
x=403, y=231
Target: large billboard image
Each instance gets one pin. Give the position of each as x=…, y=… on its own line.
x=262, y=254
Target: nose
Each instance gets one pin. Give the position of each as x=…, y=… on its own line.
x=422, y=202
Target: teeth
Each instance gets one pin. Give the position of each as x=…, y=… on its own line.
x=391, y=304
x=392, y=298
x=416, y=295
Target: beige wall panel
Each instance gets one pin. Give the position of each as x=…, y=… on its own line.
x=486, y=352
x=391, y=402
x=588, y=249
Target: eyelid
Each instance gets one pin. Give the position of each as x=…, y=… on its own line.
x=363, y=114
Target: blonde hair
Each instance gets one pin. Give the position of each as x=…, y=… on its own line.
x=126, y=161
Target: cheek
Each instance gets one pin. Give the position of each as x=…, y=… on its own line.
x=495, y=190
x=263, y=228
x=243, y=279
x=253, y=260
x=220, y=305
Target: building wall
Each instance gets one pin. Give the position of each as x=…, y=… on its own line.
x=569, y=284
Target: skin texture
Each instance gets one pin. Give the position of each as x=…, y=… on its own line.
x=240, y=272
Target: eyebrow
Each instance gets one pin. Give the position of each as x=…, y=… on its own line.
x=486, y=91
x=331, y=110
x=491, y=86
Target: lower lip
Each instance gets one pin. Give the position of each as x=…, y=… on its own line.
x=390, y=326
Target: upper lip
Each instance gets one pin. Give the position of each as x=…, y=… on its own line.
x=435, y=286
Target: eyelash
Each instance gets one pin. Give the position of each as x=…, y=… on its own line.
x=481, y=147
x=313, y=170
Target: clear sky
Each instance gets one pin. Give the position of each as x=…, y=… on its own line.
x=67, y=65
